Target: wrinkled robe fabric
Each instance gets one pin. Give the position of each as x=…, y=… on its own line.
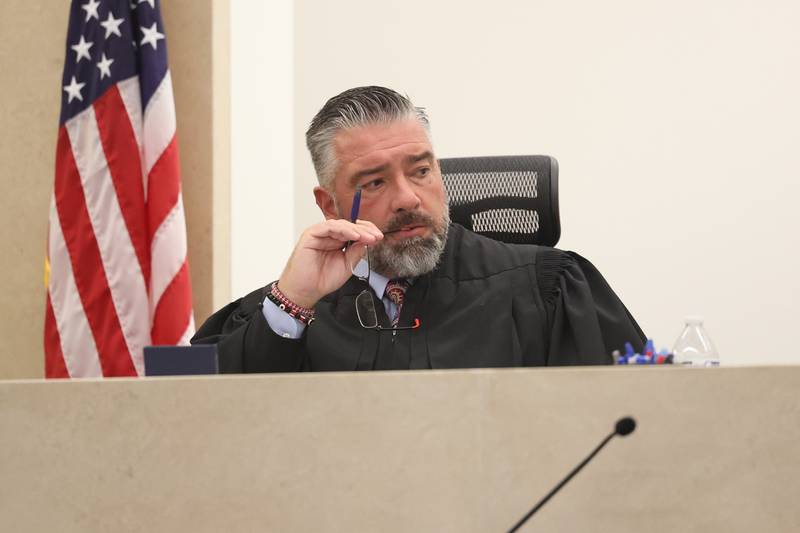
x=487, y=304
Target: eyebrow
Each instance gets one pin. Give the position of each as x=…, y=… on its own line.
x=409, y=160
x=427, y=154
x=367, y=172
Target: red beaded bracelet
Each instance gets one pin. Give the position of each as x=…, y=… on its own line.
x=303, y=314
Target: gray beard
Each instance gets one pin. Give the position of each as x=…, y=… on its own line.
x=411, y=257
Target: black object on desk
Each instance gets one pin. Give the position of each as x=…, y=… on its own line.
x=181, y=360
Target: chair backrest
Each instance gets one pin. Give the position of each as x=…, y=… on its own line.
x=512, y=199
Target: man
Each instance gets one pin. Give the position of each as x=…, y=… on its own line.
x=400, y=287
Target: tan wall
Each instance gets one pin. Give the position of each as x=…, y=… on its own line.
x=30, y=77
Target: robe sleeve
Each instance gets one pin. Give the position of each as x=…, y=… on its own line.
x=246, y=343
x=586, y=320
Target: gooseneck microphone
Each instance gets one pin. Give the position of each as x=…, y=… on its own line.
x=624, y=426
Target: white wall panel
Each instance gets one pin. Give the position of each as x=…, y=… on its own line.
x=262, y=125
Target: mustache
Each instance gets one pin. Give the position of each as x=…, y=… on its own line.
x=406, y=219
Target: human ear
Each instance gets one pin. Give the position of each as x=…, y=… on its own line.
x=326, y=203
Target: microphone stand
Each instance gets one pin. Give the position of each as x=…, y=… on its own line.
x=623, y=427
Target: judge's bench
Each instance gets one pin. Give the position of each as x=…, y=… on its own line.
x=444, y=451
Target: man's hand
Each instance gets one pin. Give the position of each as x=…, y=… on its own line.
x=318, y=266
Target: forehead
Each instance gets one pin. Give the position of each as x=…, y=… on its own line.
x=376, y=144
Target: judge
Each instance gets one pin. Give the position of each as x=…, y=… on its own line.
x=399, y=287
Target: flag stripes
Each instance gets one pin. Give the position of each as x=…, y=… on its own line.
x=169, y=250
x=172, y=311
x=122, y=156
x=77, y=346
x=118, y=259
x=129, y=94
x=87, y=263
x=159, y=123
x=161, y=175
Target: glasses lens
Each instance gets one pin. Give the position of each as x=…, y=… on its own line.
x=365, y=309
x=361, y=272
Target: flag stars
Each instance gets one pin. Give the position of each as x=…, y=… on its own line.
x=82, y=49
x=112, y=25
x=91, y=9
x=151, y=36
x=73, y=90
x=105, y=66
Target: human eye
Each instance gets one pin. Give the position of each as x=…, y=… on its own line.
x=422, y=172
x=373, y=184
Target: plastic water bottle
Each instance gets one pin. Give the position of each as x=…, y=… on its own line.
x=694, y=346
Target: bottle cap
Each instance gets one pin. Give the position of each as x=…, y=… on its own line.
x=694, y=320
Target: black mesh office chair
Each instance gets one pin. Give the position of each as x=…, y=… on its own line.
x=507, y=198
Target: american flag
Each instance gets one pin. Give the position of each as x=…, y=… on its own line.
x=116, y=270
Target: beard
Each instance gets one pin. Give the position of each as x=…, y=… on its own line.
x=415, y=256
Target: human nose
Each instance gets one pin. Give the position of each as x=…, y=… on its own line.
x=405, y=197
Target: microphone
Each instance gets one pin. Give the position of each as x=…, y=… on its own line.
x=623, y=427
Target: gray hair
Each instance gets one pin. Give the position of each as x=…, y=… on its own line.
x=353, y=108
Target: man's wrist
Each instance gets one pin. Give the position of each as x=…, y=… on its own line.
x=295, y=296
x=280, y=322
x=304, y=314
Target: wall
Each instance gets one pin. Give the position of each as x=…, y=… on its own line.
x=197, y=33
x=29, y=114
x=675, y=125
x=261, y=138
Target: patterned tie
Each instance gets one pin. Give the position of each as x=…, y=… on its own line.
x=396, y=292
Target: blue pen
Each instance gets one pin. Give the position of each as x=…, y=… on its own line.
x=354, y=211
x=356, y=205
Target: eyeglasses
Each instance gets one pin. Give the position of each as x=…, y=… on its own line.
x=365, y=305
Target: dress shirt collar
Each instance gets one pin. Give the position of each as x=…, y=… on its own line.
x=377, y=281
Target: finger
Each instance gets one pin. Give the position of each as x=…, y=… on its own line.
x=371, y=226
x=368, y=233
x=337, y=229
x=334, y=233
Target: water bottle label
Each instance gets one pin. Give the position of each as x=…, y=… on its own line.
x=701, y=363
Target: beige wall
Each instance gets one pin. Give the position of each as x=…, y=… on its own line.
x=30, y=77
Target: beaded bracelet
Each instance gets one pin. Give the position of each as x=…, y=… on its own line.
x=303, y=314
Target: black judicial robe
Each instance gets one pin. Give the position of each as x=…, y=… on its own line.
x=487, y=304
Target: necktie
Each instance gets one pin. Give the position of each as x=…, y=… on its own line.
x=396, y=292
